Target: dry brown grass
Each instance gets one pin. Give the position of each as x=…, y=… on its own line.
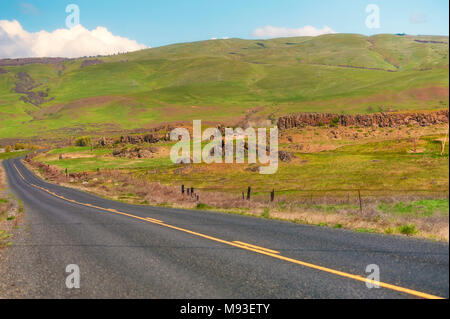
x=318, y=139
x=11, y=213
x=126, y=187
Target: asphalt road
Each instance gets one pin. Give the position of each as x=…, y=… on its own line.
x=194, y=254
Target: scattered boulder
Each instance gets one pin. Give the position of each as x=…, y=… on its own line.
x=285, y=156
x=252, y=168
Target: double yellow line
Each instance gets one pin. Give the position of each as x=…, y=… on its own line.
x=250, y=247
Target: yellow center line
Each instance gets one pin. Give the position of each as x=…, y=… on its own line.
x=154, y=220
x=253, y=248
x=256, y=247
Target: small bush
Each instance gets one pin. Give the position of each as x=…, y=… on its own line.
x=337, y=226
x=8, y=149
x=83, y=141
x=202, y=206
x=334, y=122
x=408, y=229
x=20, y=146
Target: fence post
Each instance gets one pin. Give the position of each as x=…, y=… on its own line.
x=182, y=189
x=243, y=196
x=272, y=195
x=249, y=190
x=360, y=202
x=192, y=191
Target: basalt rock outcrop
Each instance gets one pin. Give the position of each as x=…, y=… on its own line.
x=364, y=120
x=135, y=152
x=25, y=85
x=25, y=61
x=133, y=139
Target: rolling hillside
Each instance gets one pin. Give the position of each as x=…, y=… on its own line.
x=224, y=80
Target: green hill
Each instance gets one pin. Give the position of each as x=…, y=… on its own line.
x=221, y=80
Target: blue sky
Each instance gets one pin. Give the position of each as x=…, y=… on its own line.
x=35, y=28
x=156, y=23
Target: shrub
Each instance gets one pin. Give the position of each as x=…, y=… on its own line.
x=202, y=206
x=8, y=148
x=83, y=141
x=408, y=229
x=334, y=122
x=20, y=146
x=266, y=213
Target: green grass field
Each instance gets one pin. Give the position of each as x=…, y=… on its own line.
x=219, y=80
x=380, y=168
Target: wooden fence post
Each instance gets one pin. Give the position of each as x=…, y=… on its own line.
x=272, y=195
x=182, y=189
x=192, y=191
x=249, y=190
x=360, y=202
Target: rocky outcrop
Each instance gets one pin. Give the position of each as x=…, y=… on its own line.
x=135, y=152
x=25, y=85
x=139, y=139
x=133, y=139
x=25, y=61
x=87, y=63
x=364, y=120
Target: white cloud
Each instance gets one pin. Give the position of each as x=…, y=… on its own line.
x=15, y=42
x=279, y=32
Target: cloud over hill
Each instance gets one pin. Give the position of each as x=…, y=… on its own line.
x=15, y=42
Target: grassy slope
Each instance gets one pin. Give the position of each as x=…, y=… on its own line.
x=221, y=79
x=379, y=168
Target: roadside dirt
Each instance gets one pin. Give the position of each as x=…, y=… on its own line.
x=11, y=212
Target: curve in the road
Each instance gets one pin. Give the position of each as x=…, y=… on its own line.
x=238, y=244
